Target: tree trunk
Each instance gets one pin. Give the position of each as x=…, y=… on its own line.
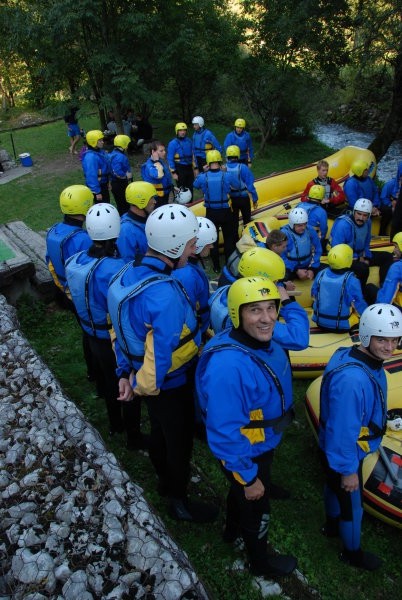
x=393, y=122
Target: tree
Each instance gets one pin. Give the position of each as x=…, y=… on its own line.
x=378, y=43
x=293, y=48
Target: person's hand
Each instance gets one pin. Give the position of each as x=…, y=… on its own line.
x=255, y=205
x=375, y=212
x=196, y=172
x=205, y=168
x=98, y=197
x=283, y=294
x=290, y=286
x=364, y=260
x=254, y=491
x=350, y=483
x=175, y=176
x=301, y=274
x=310, y=274
x=125, y=390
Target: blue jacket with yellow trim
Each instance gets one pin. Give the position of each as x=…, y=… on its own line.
x=353, y=403
x=158, y=173
x=233, y=389
x=132, y=240
x=88, y=281
x=62, y=241
x=180, y=152
x=196, y=284
x=391, y=290
x=96, y=167
x=156, y=325
x=243, y=141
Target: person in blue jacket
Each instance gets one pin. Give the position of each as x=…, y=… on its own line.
x=353, y=416
x=64, y=240
x=361, y=185
x=355, y=230
x=89, y=273
x=180, y=158
x=244, y=190
x=156, y=171
x=317, y=215
x=141, y=198
x=303, y=253
x=192, y=275
x=391, y=289
x=216, y=184
x=157, y=342
x=244, y=387
x=120, y=171
x=336, y=290
x=241, y=138
x=396, y=223
x=293, y=333
x=96, y=166
x=68, y=237
x=203, y=140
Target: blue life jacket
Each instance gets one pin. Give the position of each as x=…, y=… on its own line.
x=359, y=235
x=218, y=304
x=330, y=309
x=302, y=245
x=241, y=189
x=200, y=144
x=55, y=244
x=119, y=297
x=216, y=192
x=92, y=315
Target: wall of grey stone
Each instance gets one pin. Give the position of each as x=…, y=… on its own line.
x=72, y=523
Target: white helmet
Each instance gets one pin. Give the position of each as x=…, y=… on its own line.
x=383, y=320
x=198, y=121
x=207, y=234
x=169, y=228
x=363, y=205
x=103, y=222
x=183, y=196
x=297, y=216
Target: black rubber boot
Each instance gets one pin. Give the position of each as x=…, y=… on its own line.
x=276, y=565
x=361, y=559
x=331, y=527
x=194, y=511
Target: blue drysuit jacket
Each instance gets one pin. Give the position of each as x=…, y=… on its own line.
x=132, y=240
x=353, y=402
x=243, y=141
x=346, y=231
x=233, y=388
x=96, y=167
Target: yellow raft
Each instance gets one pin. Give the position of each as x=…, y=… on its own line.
x=382, y=470
x=286, y=187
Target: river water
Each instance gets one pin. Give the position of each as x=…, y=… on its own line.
x=337, y=136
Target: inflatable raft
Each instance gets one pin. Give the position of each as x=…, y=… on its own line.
x=286, y=187
x=382, y=470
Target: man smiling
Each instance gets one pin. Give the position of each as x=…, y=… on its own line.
x=244, y=386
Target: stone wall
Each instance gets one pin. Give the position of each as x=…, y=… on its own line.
x=72, y=523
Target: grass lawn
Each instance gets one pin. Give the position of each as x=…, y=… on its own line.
x=295, y=523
